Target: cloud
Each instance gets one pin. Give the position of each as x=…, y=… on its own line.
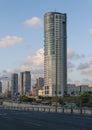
x=90, y=31
x=83, y=66
x=87, y=81
x=35, y=21
x=72, y=55
x=36, y=59
x=70, y=66
x=86, y=68
x=87, y=71
x=10, y=41
x=33, y=63
x=5, y=74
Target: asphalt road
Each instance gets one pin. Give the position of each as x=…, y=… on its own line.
x=25, y=120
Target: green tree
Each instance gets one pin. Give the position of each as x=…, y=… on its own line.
x=85, y=97
x=26, y=99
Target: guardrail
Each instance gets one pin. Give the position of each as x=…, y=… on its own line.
x=28, y=107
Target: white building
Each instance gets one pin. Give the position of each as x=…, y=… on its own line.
x=74, y=90
x=89, y=89
x=83, y=88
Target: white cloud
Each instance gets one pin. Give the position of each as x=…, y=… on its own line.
x=87, y=71
x=90, y=31
x=72, y=55
x=86, y=68
x=70, y=67
x=35, y=21
x=36, y=59
x=34, y=63
x=87, y=81
x=5, y=74
x=10, y=41
x=83, y=66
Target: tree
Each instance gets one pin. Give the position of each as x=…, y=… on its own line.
x=85, y=97
x=26, y=99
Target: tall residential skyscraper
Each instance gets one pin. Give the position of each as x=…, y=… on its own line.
x=14, y=84
x=55, y=54
x=25, y=82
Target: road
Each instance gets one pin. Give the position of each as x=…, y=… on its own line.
x=28, y=120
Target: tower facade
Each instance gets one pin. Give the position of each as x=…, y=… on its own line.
x=14, y=84
x=55, y=54
x=40, y=82
x=25, y=82
x=21, y=84
x=0, y=88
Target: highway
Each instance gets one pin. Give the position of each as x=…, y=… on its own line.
x=29, y=120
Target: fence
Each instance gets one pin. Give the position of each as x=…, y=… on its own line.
x=28, y=107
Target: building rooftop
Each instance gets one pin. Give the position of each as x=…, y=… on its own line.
x=49, y=13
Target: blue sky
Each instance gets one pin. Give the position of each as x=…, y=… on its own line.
x=22, y=36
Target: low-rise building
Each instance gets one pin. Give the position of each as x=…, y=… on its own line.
x=34, y=91
x=74, y=90
x=83, y=88
x=40, y=92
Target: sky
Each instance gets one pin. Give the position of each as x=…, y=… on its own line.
x=22, y=37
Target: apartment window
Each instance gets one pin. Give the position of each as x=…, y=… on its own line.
x=59, y=92
x=56, y=16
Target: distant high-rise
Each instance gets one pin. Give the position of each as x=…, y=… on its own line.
x=6, y=86
x=14, y=84
x=55, y=54
x=25, y=82
x=40, y=82
x=21, y=88
x=0, y=88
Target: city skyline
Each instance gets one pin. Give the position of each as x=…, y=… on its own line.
x=22, y=37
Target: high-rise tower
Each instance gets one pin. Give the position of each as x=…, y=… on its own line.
x=0, y=88
x=55, y=54
x=25, y=83
x=14, y=84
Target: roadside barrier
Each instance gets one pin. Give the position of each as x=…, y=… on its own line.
x=42, y=108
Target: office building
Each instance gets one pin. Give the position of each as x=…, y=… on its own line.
x=25, y=83
x=21, y=90
x=14, y=84
x=0, y=88
x=39, y=83
x=55, y=54
x=6, y=86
